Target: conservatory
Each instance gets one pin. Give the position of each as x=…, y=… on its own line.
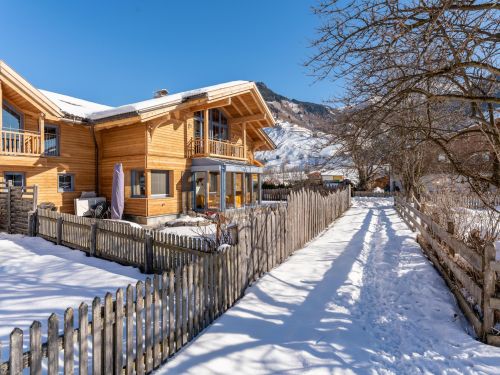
x=220, y=185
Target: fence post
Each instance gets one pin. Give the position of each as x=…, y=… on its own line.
x=489, y=283
x=16, y=352
x=148, y=253
x=93, y=240
x=32, y=223
x=9, y=194
x=35, y=197
x=59, y=230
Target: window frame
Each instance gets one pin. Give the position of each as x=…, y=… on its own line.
x=168, y=177
x=132, y=183
x=22, y=174
x=62, y=190
x=18, y=112
x=46, y=126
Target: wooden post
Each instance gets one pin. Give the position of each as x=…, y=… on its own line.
x=35, y=197
x=489, y=277
x=53, y=345
x=207, y=189
x=9, y=195
x=59, y=230
x=16, y=352
x=206, y=120
x=96, y=336
x=107, y=335
x=32, y=224
x=93, y=240
x=83, y=326
x=69, y=362
x=41, y=128
x=148, y=253
x=244, y=126
x=36, y=348
x=1, y=113
x=118, y=334
x=139, y=308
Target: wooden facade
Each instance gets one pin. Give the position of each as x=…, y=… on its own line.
x=147, y=140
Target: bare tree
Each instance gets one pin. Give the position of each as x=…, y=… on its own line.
x=424, y=70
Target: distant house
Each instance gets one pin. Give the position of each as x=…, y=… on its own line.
x=189, y=150
x=326, y=177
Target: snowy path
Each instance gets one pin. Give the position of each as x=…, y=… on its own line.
x=38, y=278
x=360, y=299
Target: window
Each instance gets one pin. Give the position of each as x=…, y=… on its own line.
x=198, y=124
x=11, y=119
x=65, y=182
x=14, y=178
x=160, y=183
x=218, y=127
x=51, y=136
x=138, y=184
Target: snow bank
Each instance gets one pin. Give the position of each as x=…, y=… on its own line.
x=361, y=298
x=38, y=278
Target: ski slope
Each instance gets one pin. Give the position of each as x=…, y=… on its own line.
x=359, y=299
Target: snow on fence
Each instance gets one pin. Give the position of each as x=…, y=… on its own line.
x=470, y=275
x=149, y=322
x=384, y=194
x=16, y=204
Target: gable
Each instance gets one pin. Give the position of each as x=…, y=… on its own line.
x=23, y=94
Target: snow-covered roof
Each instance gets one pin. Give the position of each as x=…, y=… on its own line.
x=93, y=111
x=74, y=106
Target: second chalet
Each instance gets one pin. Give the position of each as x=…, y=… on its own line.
x=192, y=150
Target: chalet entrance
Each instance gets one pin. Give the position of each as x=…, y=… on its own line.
x=220, y=185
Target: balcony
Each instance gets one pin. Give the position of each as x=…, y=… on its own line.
x=24, y=143
x=216, y=148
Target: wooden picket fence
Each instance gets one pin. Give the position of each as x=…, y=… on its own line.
x=462, y=200
x=16, y=204
x=275, y=194
x=471, y=275
x=151, y=251
x=145, y=324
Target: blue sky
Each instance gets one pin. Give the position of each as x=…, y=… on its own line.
x=117, y=52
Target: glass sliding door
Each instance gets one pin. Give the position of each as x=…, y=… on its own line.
x=256, y=188
x=230, y=196
x=200, y=190
x=248, y=181
x=239, y=202
x=214, y=191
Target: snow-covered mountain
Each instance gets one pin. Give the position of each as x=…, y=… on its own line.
x=299, y=143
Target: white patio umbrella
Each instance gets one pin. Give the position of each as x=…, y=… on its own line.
x=117, y=193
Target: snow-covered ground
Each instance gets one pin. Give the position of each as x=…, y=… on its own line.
x=361, y=298
x=38, y=278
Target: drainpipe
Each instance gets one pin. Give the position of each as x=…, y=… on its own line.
x=96, y=155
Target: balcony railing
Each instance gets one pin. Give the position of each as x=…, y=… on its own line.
x=217, y=148
x=14, y=142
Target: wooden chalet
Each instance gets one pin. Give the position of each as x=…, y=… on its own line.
x=192, y=150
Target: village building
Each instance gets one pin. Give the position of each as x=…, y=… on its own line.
x=192, y=150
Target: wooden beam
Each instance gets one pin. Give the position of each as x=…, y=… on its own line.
x=210, y=105
x=41, y=129
x=120, y=122
x=205, y=132
x=241, y=120
x=245, y=140
x=245, y=105
x=1, y=107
